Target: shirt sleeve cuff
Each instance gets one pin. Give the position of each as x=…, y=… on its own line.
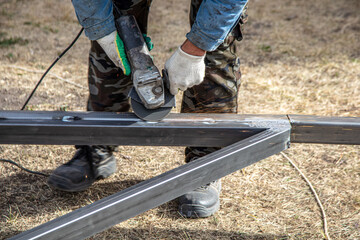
x=101, y=29
x=201, y=40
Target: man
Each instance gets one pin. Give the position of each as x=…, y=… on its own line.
x=207, y=56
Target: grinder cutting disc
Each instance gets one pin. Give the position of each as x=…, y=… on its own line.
x=151, y=115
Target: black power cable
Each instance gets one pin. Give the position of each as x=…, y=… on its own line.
x=32, y=93
x=49, y=68
x=22, y=168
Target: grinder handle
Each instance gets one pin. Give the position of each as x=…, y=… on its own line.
x=135, y=45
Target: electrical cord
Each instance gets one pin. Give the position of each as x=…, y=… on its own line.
x=23, y=168
x=326, y=232
x=49, y=68
x=32, y=93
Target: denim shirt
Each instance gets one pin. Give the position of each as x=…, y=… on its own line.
x=214, y=20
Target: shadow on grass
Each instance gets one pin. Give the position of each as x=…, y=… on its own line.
x=159, y=233
x=30, y=195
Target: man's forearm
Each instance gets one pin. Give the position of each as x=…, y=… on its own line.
x=192, y=49
x=214, y=20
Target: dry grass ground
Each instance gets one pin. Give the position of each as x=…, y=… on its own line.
x=298, y=57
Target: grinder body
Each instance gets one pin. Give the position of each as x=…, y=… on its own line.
x=149, y=95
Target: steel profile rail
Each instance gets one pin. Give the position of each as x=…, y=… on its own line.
x=326, y=130
x=90, y=128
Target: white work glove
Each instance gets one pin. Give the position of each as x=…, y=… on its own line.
x=184, y=70
x=114, y=48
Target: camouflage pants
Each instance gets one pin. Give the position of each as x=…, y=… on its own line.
x=109, y=87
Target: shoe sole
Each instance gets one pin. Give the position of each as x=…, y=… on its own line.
x=62, y=184
x=198, y=211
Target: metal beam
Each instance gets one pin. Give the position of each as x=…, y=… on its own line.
x=328, y=130
x=90, y=128
x=130, y=202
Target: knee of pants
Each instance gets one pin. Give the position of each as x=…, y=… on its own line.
x=108, y=86
x=218, y=92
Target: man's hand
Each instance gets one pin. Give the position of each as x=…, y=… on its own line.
x=114, y=48
x=186, y=67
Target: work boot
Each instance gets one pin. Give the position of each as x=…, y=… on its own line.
x=88, y=164
x=201, y=202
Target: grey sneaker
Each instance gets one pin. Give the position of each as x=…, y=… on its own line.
x=201, y=202
x=88, y=164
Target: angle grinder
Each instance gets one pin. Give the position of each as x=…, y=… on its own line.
x=150, y=97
